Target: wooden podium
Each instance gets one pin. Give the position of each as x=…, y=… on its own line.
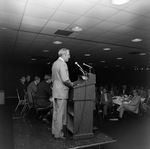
x=80, y=108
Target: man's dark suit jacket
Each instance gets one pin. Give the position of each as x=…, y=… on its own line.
x=125, y=93
x=43, y=93
x=21, y=89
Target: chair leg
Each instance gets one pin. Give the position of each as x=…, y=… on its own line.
x=23, y=109
x=17, y=106
x=33, y=116
x=26, y=114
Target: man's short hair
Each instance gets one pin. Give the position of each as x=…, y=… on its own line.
x=63, y=51
x=47, y=76
x=36, y=78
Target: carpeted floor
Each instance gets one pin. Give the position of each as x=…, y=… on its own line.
x=6, y=127
x=131, y=133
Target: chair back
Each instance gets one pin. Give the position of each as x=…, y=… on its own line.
x=34, y=99
x=18, y=96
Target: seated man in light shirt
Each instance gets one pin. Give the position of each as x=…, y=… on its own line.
x=131, y=105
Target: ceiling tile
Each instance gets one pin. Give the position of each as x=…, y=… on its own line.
x=86, y=21
x=9, y=25
x=76, y=6
x=46, y=30
x=105, y=25
x=10, y=17
x=34, y=21
x=64, y=17
x=100, y=12
x=94, y=32
x=56, y=25
x=123, y=29
x=110, y=35
x=140, y=7
x=39, y=12
x=30, y=28
x=54, y=4
x=139, y=22
x=25, y=36
x=85, y=37
x=122, y=17
x=13, y=6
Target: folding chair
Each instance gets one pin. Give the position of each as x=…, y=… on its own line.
x=28, y=106
x=20, y=102
x=37, y=109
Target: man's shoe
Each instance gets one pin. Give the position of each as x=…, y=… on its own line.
x=45, y=121
x=63, y=137
x=119, y=120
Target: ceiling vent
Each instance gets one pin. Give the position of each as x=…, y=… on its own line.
x=63, y=33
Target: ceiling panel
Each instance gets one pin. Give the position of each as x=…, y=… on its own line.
x=29, y=27
x=76, y=6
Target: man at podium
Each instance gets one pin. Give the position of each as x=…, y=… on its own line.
x=61, y=86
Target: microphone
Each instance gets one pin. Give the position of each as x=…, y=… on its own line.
x=76, y=63
x=87, y=65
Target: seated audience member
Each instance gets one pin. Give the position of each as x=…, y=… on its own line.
x=32, y=88
x=21, y=86
x=112, y=91
x=132, y=105
x=146, y=103
x=106, y=102
x=27, y=80
x=44, y=96
x=124, y=91
x=142, y=92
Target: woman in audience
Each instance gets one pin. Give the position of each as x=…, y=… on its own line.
x=132, y=105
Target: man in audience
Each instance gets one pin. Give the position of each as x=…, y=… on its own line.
x=142, y=92
x=27, y=80
x=106, y=102
x=146, y=103
x=21, y=86
x=124, y=91
x=44, y=96
x=132, y=105
x=32, y=88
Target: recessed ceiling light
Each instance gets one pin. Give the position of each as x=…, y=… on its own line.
x=136, y=40
x=142, y=54
x=33, y=59
x=87, y=54
x=45, y=50
x=106, y=49
x=119, y=58
x=119, y=2
x=57, y=42
x=103, y=61
x=76, y=29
